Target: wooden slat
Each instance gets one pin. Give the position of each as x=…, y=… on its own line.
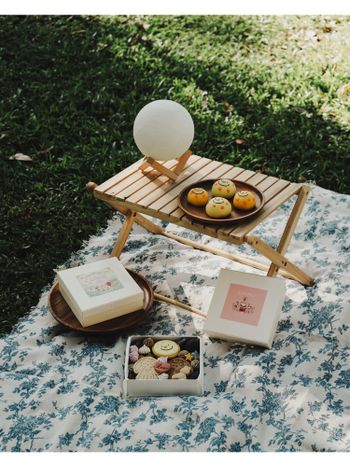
x=275, y=189
x=146, y=183
x=244, y=176
x=275, y=201
x=233, y=172
x=138, y=178
x=172, y=193
x=265, y=184
x=257, y=178
x=119, y=177
x=151, y=192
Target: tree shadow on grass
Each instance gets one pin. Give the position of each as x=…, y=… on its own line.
x=70, y=90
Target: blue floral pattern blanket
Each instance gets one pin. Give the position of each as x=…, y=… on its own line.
x=61, y=391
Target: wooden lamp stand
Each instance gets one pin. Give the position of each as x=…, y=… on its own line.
x=171, y=173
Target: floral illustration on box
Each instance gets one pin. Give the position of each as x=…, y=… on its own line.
x=99, y=282
x=243, y=304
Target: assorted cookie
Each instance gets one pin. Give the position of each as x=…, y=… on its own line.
x=166, y=348
x=164, y=359
x=144, y=368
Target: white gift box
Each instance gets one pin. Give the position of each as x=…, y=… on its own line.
x=245, y=307
x=100, y=291
x=162, y=387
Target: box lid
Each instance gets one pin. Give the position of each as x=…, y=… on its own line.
x=99, y=285
x=245, y=307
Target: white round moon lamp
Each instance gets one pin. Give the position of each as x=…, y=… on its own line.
x=164, y=130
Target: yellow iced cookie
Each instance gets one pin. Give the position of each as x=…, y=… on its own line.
x=218, y=207
x=244, y=200
x=224, y=188
x=166, y=348
x=198, y=197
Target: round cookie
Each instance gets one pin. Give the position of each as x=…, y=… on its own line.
x=244, y=200
x=218, y=207
x=166, y=348
x=224, y=188
x=197, y=197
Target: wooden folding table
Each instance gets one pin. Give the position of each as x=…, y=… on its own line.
x=135, y=192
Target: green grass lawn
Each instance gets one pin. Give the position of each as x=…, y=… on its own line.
x=70, y=88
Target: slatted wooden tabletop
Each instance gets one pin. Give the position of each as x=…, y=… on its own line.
x=154, y=194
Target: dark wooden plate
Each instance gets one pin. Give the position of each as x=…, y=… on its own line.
x=64, y=315
x=237, y=215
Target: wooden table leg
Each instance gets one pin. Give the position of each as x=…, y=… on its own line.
x=290, y=227
x=124, y=233
x=139, y=218
x=278, y=259
x=171, y=301
x=221, y=252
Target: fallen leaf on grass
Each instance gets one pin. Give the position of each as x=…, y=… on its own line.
x=20, y=157
x=243, y=143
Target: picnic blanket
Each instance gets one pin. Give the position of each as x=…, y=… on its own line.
x=62, y=391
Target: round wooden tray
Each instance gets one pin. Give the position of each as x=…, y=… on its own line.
x=237, y=215
x=64, y=315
